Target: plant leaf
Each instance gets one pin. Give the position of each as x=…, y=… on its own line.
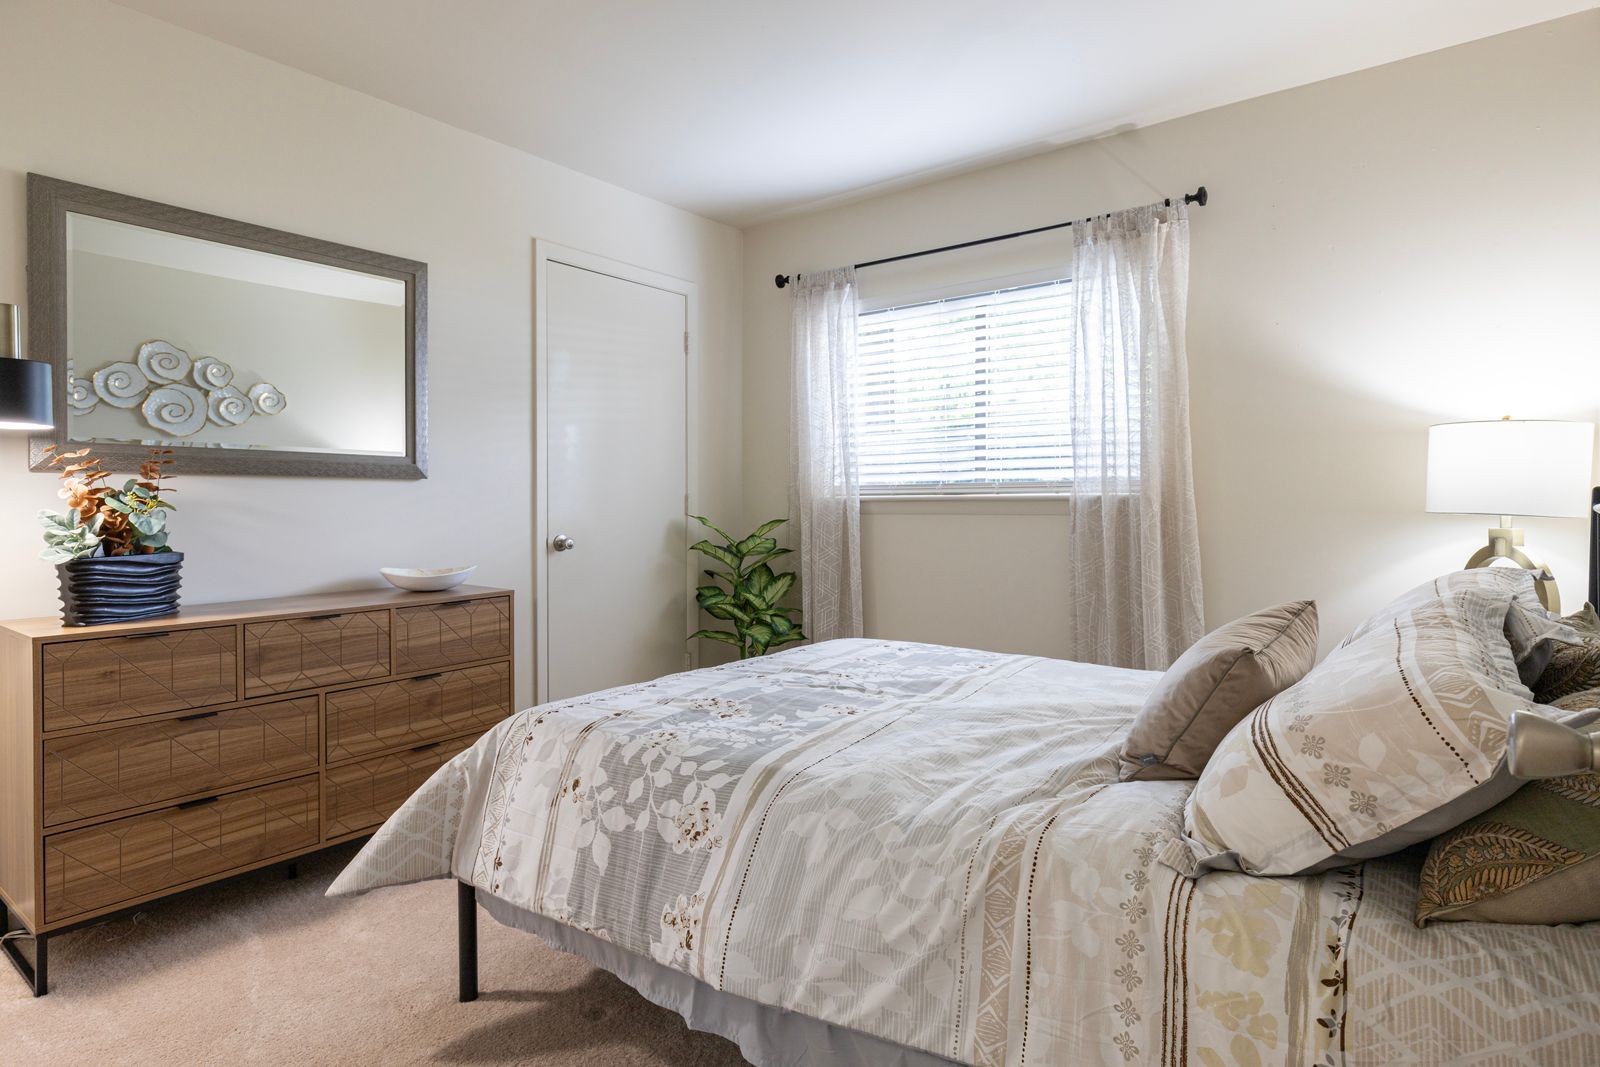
x=719, y=635
x=708, y=524
x=716, y=552
x=768, y=526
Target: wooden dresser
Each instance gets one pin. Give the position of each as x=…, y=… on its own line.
x=142, y=759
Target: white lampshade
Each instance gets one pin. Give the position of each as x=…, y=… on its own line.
x=1511, y=467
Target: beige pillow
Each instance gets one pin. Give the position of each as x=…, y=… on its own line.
x=1397, y=736
x=1218, y=681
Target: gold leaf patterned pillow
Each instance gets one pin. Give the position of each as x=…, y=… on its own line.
x=1534, y=858
x=1573, y=668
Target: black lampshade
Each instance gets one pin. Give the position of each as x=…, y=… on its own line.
x=25, y=395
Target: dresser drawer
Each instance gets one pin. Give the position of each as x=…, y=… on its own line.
x=441, y=635
x=101, y=866
x=414, y=711
x=111, y=678
x=288, y=654
x=88, y=775
x=362, y=795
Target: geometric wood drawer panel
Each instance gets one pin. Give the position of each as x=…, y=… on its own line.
x=437, y=635
x=414, y=711
x=288, y=654
x=99, y=866
x=362, y=795
x=115, y=678
x=86, y=775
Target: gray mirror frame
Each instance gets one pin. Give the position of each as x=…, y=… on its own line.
x=49, y=201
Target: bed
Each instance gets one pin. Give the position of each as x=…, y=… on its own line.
x=891, y=853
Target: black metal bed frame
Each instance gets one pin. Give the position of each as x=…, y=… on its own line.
x=466, y=942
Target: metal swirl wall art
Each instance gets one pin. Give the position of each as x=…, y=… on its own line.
x=155, y=384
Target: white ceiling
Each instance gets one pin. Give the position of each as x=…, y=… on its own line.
x=742, y=109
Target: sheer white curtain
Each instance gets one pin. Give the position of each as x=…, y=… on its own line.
x=1134, y=587
x=823, y=489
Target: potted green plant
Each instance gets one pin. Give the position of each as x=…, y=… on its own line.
x=110, y=547
x=751, y=601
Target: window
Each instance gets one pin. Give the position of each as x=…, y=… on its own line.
x=965, y=395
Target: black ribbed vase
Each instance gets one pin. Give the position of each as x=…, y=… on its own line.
x=102, y=589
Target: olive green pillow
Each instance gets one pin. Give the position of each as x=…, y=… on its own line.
x=1223, y=677
x=1533, y=858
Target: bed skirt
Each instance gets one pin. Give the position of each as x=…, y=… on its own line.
x=768, y=1037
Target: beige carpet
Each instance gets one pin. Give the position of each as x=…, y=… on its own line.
x=264, y=970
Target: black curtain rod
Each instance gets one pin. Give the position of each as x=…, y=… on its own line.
x=1199, y=196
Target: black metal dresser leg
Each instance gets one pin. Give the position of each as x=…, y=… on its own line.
x=36, y=974
x=467, y=940
x=41, y=965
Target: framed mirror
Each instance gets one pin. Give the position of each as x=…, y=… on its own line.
x=245, y=349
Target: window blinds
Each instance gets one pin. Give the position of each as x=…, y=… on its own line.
x=965, y=395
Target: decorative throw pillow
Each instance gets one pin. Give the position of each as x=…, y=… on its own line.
x=1585, y=620
x=1220, y=679
x=1534, y=858
x=1397, y=736
x=1582, y=700
x=1573, y=668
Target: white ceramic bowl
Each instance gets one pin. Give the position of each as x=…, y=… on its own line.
x=422, y=581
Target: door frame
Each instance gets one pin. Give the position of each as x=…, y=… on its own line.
x=544, y=253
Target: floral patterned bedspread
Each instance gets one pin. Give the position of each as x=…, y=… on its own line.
x=930, y=845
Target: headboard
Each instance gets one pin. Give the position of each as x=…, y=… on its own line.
x=1594, y=546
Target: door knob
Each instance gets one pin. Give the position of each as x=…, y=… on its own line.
x=563, y=543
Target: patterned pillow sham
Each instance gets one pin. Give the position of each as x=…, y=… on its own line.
x=1534, y=858
x=1397, y=736
x=1534, y=634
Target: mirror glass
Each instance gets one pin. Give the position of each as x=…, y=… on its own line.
x=180, y=342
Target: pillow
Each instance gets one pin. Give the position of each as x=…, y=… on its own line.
x=1573, y=668
x=1218, y=681
x=1535, y=635
x=1585, y=621
x=1396, y=737
x=1534, y=858
x=1531, y=630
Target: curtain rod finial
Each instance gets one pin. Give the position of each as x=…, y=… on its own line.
x=1199, y=196
x=780, y=280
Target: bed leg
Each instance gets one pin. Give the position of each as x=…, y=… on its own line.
x=467, y=940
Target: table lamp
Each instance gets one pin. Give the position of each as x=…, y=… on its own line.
x=24, y=383
x=1511, y=467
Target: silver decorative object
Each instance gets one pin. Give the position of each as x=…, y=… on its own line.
x=177, y=409
x=209, y=372
x=162, y=361
x=122, y=385
x=81, y=398
x=267, y=399
x=227, y=406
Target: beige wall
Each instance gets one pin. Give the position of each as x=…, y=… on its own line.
x=1401, y=246
x=97, y=94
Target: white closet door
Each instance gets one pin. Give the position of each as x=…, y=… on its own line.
x=616, y=480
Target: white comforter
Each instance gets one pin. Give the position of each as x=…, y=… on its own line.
x=930, y=845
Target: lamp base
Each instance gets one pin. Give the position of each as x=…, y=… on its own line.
x=1505, y=543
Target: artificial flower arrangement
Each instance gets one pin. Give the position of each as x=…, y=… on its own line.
x=101, y=520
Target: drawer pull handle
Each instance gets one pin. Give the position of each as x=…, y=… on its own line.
x=202, y=802
x=200, y=715
x=320, y=618
x=146, y=637
x=428, y=677
x=454, y=603
x=427, y=748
